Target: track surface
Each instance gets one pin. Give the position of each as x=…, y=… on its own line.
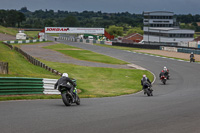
x=174, y=108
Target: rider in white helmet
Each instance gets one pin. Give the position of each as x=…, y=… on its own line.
x=164, y=72
x=192, y=57
x=64, y=81
x=145, y=82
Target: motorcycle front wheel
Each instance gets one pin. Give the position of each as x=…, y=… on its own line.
x=78, y=100
x=164, y=81
x=66, y=99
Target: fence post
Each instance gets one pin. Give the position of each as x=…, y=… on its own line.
x=3, y=67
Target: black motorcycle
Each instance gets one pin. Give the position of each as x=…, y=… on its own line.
x=147, y=90
x=67, y=97
x=192, y=59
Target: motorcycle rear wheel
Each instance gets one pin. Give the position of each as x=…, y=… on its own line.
x=66, y=99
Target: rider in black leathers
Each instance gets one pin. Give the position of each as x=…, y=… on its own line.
x=63, y=81
x=192, y=57
x=145, y=82
x=164, y=72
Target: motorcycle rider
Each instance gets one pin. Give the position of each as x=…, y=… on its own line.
x=64, y=81
x=145, y=82
x=191, y=56
x=164, y=72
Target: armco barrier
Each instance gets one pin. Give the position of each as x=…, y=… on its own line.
x=26, y=41
x=49, y=86
x=19, y=85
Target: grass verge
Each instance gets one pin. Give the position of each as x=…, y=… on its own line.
x=102, y=82
x=86, y=55
x=10, y=31
x=19, y=66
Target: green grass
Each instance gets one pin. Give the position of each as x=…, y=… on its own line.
x=29, y=97
x=9, y=31
x=14, y=31
x=32, y=33
x=19, y=66
x=86, y=55
x=92, y=81
x=102, y=82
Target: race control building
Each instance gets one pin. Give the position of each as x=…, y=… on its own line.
x=161, y=27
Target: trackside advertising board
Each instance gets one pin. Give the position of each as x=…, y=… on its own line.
x=78, y=30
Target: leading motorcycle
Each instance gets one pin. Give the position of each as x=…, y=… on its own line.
x=67, y=97
x=192, y=59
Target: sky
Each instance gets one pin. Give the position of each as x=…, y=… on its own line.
x=107, y=6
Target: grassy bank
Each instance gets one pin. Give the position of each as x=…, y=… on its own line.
x=19, y=66
x=14, y=31
x=9, y=31
x=82, y=54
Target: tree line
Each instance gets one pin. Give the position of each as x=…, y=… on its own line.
x=11, y=18
x=24, y=18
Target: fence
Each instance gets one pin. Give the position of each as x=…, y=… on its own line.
x=3, y=67
x=33, y=60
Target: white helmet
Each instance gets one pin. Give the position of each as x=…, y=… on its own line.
x=144, y=76
x=191, y=52
x=64, y=75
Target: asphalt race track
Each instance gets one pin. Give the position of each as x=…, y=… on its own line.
x=174, y=108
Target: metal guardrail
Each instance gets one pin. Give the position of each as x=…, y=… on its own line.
x=19, y=85
x=22, y=85
x=25, y=41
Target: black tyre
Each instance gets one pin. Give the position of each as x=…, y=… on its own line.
x=66, y=99
x=148, y=92
x=151, y=94
x=164, y=81
x=78, y=101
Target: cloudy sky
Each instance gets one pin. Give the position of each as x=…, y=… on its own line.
x=110, y=6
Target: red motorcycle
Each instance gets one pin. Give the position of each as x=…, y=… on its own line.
x=163, y=79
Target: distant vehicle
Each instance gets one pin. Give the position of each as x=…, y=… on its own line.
x=90, y=37
x=21, y=36
x=141, y=42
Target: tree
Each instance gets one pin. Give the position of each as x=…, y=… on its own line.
x=114, y=30
x=135, y=30
x=71, y=21
x=20, y=17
